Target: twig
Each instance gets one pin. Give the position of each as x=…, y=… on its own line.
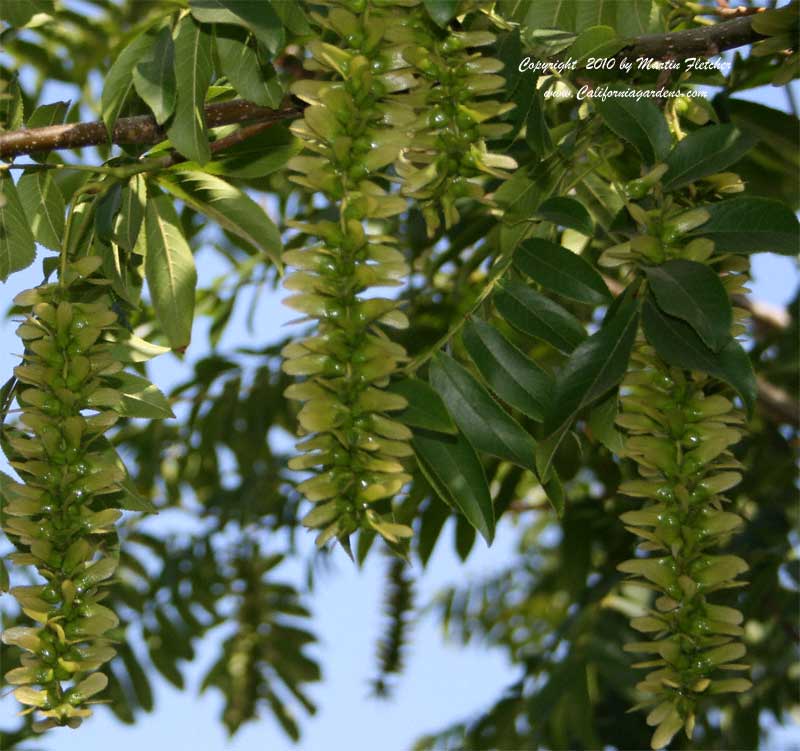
x=704, y=41
x=141, y=129
x=777, y=404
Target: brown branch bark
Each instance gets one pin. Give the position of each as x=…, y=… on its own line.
x=764, y=314
x=704, y=41
x=141, y=129
x=779, y=406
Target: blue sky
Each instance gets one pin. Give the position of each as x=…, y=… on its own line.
x=442, y=682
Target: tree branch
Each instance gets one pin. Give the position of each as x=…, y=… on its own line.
x=704, y=41
x=778, y=405
x=141, y=129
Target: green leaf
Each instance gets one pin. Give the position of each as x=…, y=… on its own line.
x=140, y=398
x=482, y=420
x=692, y=292
x=138, y=677
x=566, y=212
x=131, y=212
x=602, y=423
x=550, y=14
x=11, y=104
x=513, y=376
x=170, y=271
x=749, y=224
x=523, y=193
x=291, y=15
x=464, y=538
x=231, y=208
x=455, y=472
x=128, y=347
x=44, y=116
x=640, y=122
x=17, y=246
x=561, y=271
x=638, y=17
x=554, y=490
x=677, y=343
x=118, y=83
x=193, y=68
x=593, y=369
x=240, y=65
x=257, y=17
x=48, y=114
x=17, y=13
x=256, y=157
x=425, y=408
x=442, y=11
x=595, y=41
x=44, y=206
x=536, y=315
x=704, y=152
x=106, y=208
x=154, y=77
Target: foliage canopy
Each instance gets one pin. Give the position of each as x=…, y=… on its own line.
x=562, y=336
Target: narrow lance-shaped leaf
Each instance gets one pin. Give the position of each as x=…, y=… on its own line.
x=561, y=271
x=513, y=376
x=639, y=122
x=232, y=209
x=705, y=151
x=566, y=212
x=154, y=77
x=482, y=420
x=18, y=12
x=694, y=293
x=170, y=271
x=593, y=369
x=536, y=315
x=140, y=398
x=44, y=207
x=291, y=14
x=425, y=408
x=678, y=344
x=131, y=212
x=257, y=17
x=17, y=246
x=193, y=68
x=750, y=224
x=258, y=156
x=240, y=65
x=441, y=11
x=595, y=41
x=44, y=116
x=118, y=83
x=454, y=470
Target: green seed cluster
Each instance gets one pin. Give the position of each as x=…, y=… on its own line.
x=679, y=428
x=58, y=516
x=358, y=120
x=449, y=151
x=679, y=433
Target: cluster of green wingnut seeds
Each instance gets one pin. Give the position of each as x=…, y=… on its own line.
x=58, y=516
x=372, y=111
x=449, y=149
x=679, y=428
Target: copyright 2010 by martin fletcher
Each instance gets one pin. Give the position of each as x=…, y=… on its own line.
x=623, y=65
